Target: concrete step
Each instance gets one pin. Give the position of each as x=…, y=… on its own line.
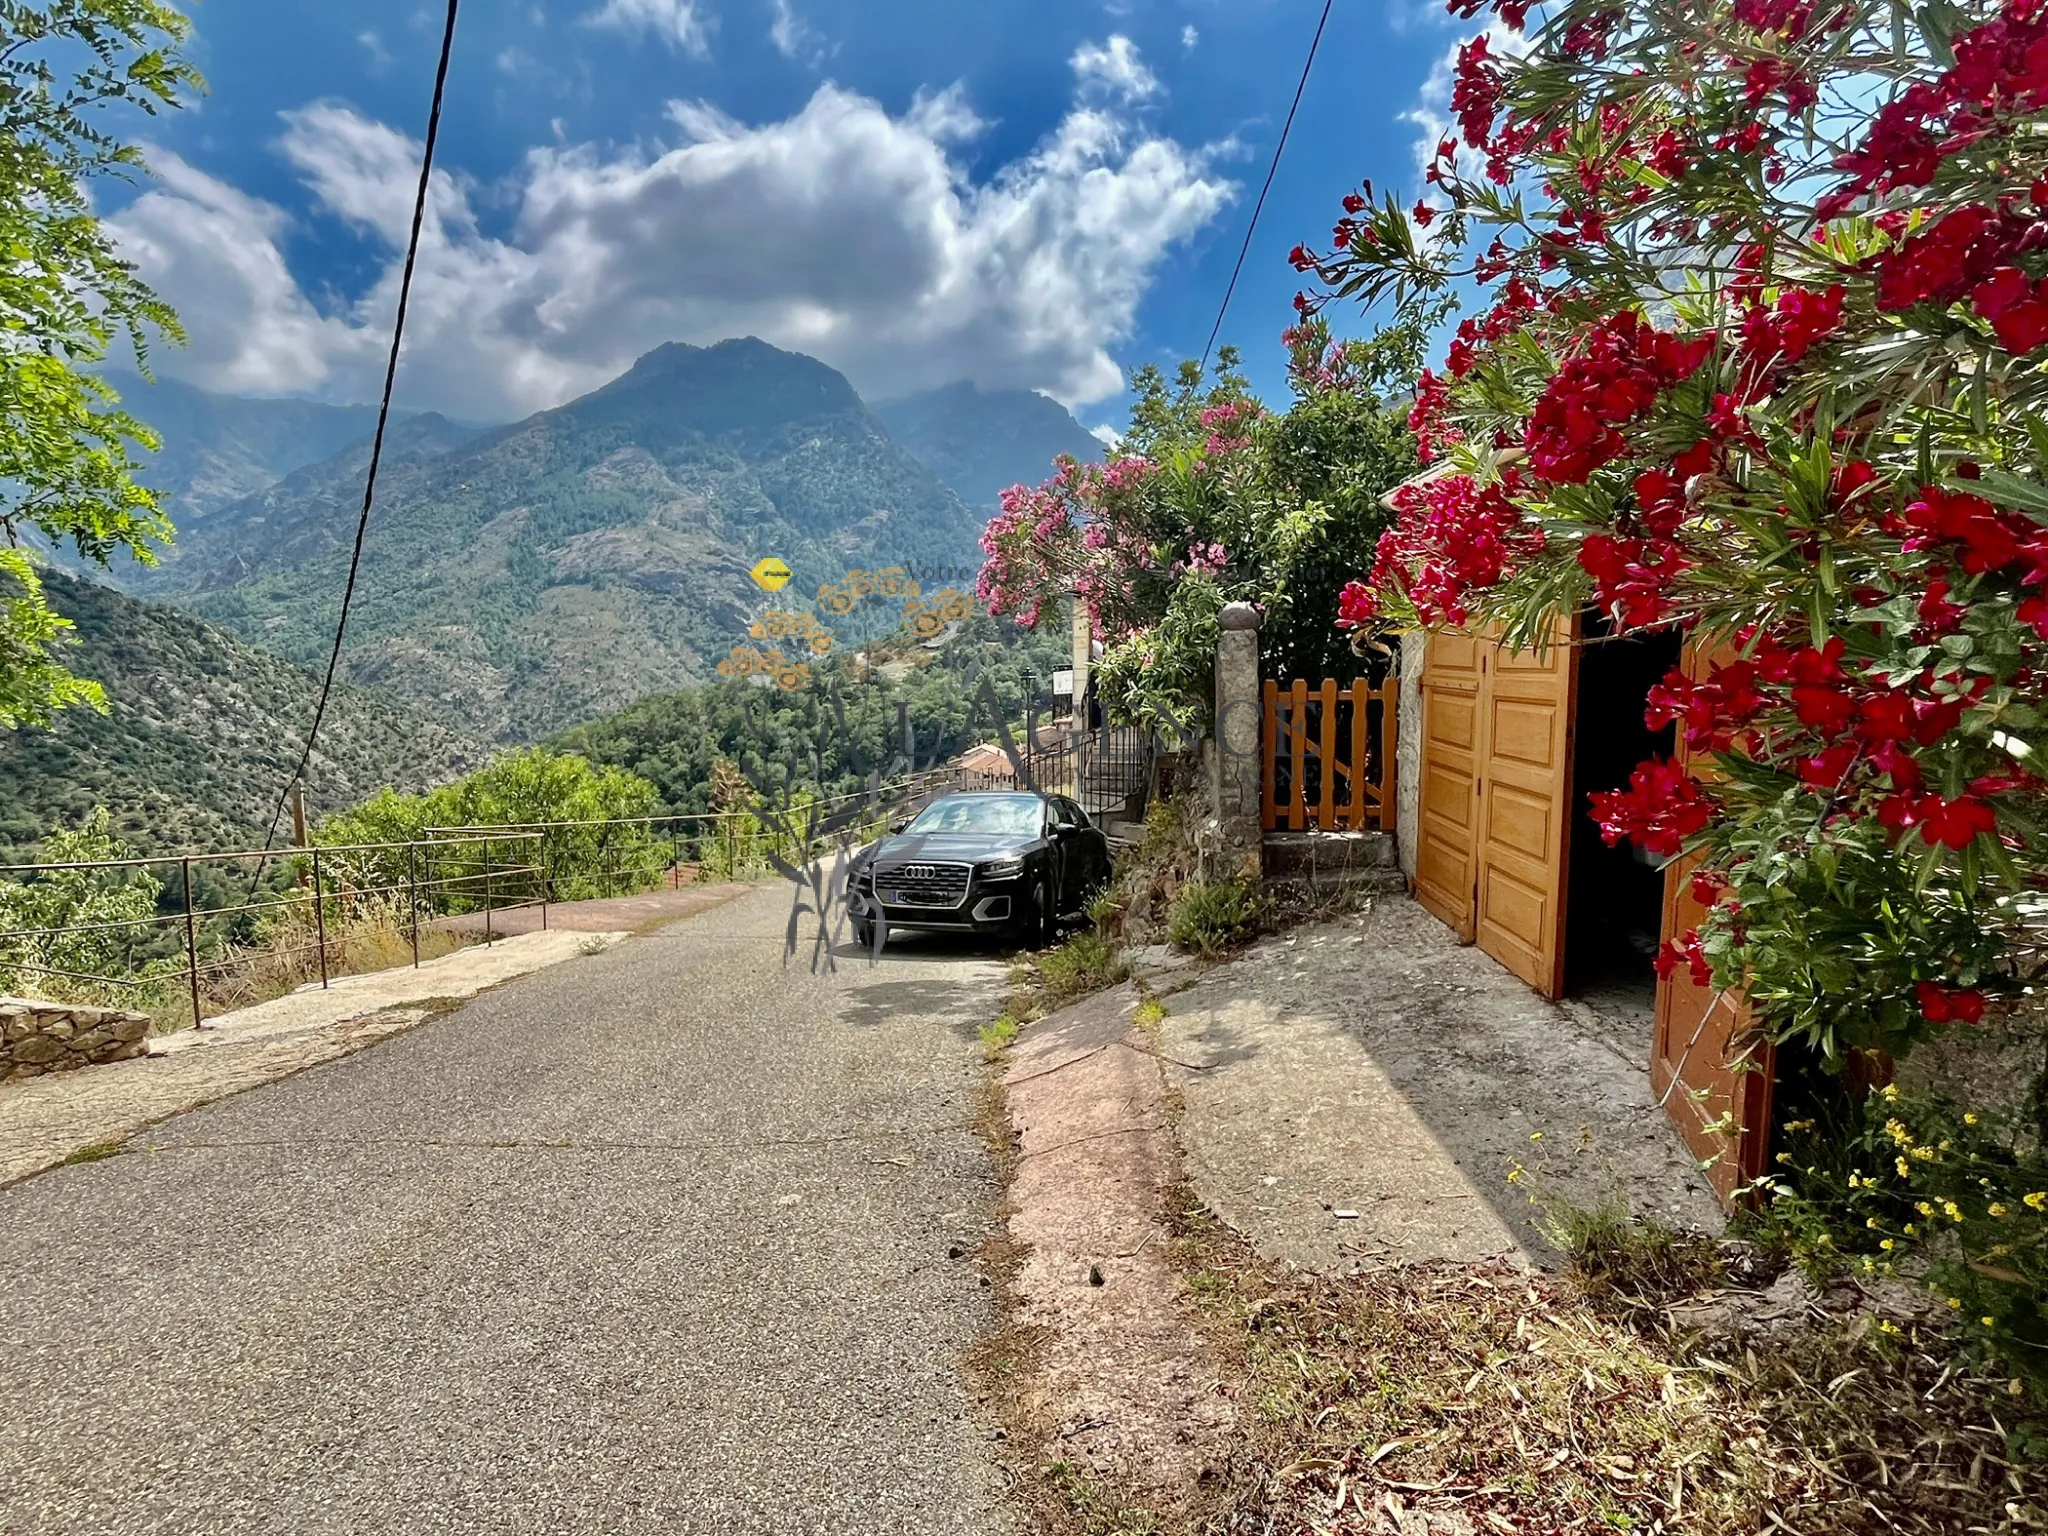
x=1315, y=855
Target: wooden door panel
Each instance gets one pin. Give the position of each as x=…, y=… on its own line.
x=1525, y=798
x=1448, y=824
x=1707, y=1066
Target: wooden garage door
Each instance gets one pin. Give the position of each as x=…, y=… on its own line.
x=1712, y=1075
x=1495, y=798
x=1445, y=867
x=1525, y=809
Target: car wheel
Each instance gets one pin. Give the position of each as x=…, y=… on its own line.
x=1037, y=927
x=863, y=933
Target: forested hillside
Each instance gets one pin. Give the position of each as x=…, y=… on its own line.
x=310, y=512
x=835, y=732
x=980, y=442
x=219, y=448
x=201, y=734
x=558, y=569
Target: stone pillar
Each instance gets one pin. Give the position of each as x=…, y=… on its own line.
x=1408, y=752
x=1084, y=639
x=1238, y=766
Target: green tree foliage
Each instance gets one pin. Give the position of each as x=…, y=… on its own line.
x=62, y=929
x=527, y=787
x=1210, y=498
x=847, y=724
x=66, y=449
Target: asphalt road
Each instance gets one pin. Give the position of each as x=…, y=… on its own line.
x=656, y=1240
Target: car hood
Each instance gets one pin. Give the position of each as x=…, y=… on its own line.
x=961, y=847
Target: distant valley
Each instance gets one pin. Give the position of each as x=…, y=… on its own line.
x=517, y=580
x=532, y=576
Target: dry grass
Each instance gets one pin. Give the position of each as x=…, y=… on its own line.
x=1454, y=1399
x=1053, y=978
x=372, y=937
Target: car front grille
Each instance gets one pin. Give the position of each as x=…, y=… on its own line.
x=922, y=883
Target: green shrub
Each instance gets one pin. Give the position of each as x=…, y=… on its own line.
x=1914, y=1185
x=1086, y=963
x=526, y=787
x=1210, y=916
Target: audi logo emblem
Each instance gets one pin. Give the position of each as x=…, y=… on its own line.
x=920, y=872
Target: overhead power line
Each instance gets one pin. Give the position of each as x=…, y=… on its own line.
x=412, y=251
x=1279, y=149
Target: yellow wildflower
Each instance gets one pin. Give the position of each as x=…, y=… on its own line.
x=2038, y=1200
x=1997, y=1207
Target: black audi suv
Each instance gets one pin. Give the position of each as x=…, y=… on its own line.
x=1000, y=863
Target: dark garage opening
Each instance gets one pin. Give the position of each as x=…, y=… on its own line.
x=1614, y=903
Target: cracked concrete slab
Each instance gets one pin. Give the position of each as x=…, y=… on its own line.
x=1358, y=1091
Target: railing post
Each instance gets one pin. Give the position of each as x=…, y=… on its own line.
x=191, y=943
x=412, y=894
x=675, y=850
x=489, y=901
x=546, y=880
x=320, y=919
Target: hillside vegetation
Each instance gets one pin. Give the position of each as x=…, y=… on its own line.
x=201, y=732
x=981, y=442
x=832, y=734
x=219, y=448
x=555, y=570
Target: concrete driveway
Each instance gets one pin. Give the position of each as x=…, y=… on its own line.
x=657, y=1241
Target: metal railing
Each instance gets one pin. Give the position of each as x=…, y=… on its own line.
x=187, y=937
x=151, y=928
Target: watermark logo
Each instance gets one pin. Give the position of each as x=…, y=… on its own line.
x=771, y=574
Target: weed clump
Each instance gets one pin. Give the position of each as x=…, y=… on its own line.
x=1208, y=917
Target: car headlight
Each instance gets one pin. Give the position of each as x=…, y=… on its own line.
x=1002, y=869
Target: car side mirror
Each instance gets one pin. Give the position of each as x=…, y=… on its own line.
x=897, y=824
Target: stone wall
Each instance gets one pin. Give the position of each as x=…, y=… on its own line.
x=38, y=1037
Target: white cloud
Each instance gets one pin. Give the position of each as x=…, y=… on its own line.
x=380, y=56
x=842, y=231
x=1114, y=68
x=674, y=21
x=1431, y=113
x=794, y=37
x=1189, y=37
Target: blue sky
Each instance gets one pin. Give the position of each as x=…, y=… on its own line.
x=1037, y=193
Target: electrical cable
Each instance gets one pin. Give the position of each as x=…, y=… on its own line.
x=1278, y=149
x=412, y=251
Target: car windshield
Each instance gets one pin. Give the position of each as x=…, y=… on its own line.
x=1000, y=815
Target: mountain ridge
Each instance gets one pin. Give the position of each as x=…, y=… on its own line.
x=201, y=734
x=557, y=568
x=981, y=442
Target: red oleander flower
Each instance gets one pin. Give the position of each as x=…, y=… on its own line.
x=1946, y=1005
x=1662, y=806
x=1610, y=379
x=1685, y=950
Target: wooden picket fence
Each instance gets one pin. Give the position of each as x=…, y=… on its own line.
x=1329, y=755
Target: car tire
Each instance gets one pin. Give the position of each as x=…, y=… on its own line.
x=1036, y=926
x=863, y=933
x=1045, y=921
